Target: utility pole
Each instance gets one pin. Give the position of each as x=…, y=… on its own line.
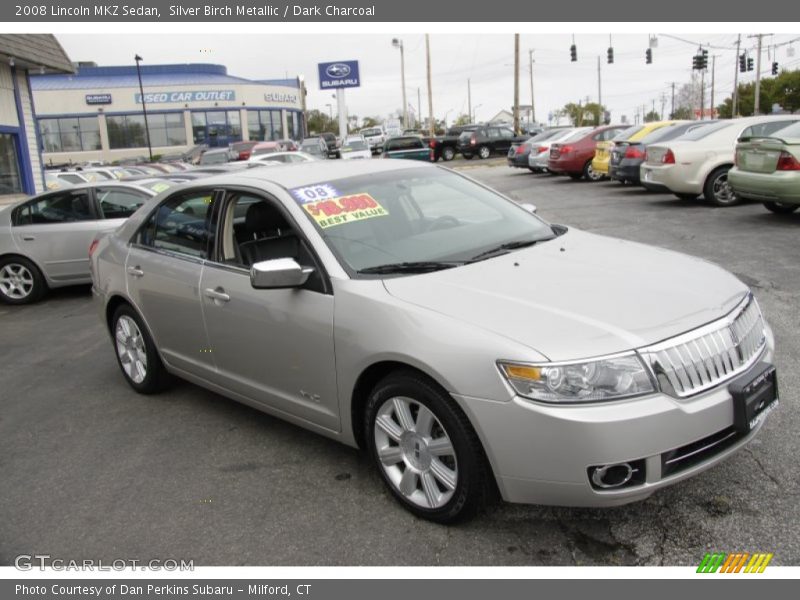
x=533, y=110
x=398, y=43
x=672, y=115
x=419, y=109
x=757, y=106
x=702, y=91
x=599, y=88
x=516, y=84
x=735, y=102
x=663, y=102
x=138, y=58
x=431, y=123
x=469, y=101
x=713, y=75
x=654, y=107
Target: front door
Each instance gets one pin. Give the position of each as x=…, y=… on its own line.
x=274, y=346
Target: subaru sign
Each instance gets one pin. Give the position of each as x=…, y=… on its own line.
x=98, y=98
x=341, y=74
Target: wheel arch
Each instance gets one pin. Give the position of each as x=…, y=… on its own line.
x=31, y=260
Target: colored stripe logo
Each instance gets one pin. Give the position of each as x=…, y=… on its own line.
x=739, y=562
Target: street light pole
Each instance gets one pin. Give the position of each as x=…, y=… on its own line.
x=533, y=110
x=398, y=43
x=432, y=123
x=469, y=101
x=138, y=58
x=735, y=101
x=516, y=84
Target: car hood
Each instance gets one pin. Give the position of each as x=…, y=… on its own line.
x=579, y=295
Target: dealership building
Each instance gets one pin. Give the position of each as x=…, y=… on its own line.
x=96, y=113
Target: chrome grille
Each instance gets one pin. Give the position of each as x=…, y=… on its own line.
x=703, y=358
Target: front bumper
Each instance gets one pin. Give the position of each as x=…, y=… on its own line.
x=541, y=453
x=780, y=186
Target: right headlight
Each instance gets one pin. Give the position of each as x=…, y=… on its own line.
x=611, y=378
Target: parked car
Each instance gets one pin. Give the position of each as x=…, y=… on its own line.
x=315, y=146
x=519, y=154
x=539, y=156
x=628, y=156
x=411, y=148
x=486, y=140
x=44, y=240
x=375, y=137
x=767, y=169
x=71, y=177
x=265, y=148
x=355, y=147
x=573, y=156
x=215, y=156
x=462, y=351
x=446, y=146
x=698, y=162
x=332, y=143
x=289, y=145
x=283, y=157
x=242, y=150
x=602, y=153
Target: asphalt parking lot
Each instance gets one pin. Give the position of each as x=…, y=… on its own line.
x=89, y=469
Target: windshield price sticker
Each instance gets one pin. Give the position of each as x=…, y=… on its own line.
x=344, y=209
x=314, y=193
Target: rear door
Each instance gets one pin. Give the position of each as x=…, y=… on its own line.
x=55, y=231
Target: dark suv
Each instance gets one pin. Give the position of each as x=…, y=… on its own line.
x=330, y=141
x=485, y=140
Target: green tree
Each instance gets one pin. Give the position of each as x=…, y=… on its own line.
x=683, y=112
x=462, y=119
x=370, y=122
x=651, y=116
x=783, y=90
x=582, y=115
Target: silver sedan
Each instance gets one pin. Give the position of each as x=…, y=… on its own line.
x=464, y=342
x=44, y=241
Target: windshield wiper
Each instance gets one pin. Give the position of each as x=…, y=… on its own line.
x=503, y=248
x=422, y=266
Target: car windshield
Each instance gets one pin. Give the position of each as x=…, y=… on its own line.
x=371, y=132
x=790, y=132
x=699, y=134
x=355, y=145
x=412, y=216
x=669, y=132
x=311, y=148
x=626, y=133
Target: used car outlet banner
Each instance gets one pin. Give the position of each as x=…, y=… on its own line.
x=399, y=589
x=390, y=10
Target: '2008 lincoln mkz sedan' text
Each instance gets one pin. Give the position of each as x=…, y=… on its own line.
x=464, y=342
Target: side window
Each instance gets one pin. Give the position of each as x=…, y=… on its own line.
x=118, y=203
x=494, y=133
x=181, y=224
x=65, y=207
x=506, y=133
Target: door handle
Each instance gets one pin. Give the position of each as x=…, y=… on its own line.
x=135, y=271
x=217, y=294
x=28, y=238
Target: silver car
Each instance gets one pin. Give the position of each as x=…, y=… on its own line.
x=44, y=241
x=465, y=343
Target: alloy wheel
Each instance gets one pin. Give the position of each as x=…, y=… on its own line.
x=16, y=281
x=131, y=349
x=723, y=194
x=415, y=452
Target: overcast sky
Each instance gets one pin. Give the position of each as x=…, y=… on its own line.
x=487, y=60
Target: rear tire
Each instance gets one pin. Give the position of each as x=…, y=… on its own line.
x=21, y=281
x=590, y=173
x=136, y=352
x=448, y=154
x=717, y=191
x=780, y=208
x=425, y=448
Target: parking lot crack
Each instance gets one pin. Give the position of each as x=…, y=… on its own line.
x=771, y=477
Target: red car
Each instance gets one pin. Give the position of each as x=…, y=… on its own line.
x=573, y=156
x=242, y=150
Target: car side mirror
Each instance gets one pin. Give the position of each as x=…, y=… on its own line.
x=279, y=273
x=531, y=208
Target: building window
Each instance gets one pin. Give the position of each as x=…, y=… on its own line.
x=264, y=125
x=128, y=131
x=10, y=179
x=216, y=127
x=70, y=134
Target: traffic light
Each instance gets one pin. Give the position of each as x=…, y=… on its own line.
x=697, y=62
x=648, y=56
x=749, y=64
x=742, y=63
x=611, y=56
x=573, y=53
x=704, y=59
x=774, y=68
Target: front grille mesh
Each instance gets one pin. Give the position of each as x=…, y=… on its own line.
x=699, y=360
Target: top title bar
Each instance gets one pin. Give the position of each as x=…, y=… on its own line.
x=394, y=11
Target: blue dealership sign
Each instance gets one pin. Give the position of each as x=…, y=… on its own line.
x=187, y=96
x=341, y=74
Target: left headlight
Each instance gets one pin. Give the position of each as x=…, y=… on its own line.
x=609, y=378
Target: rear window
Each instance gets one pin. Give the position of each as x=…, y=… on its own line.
x=578, y=135
x=626, y=133
x=409, y=143
x=699, y=134
x=792, y=131
x=356, y=145
x=375, y=131
x=258, y=151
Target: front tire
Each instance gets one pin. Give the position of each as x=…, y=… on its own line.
x=484, y=152
x=425, y=448
x=136, y=353
x=780, y=208
x=717, y=191
x=21, y=282
x=448, y=154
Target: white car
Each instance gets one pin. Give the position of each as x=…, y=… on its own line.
x=375, y=137
x=355, y=146
x=282, y=157
x=698, y=162
x=540, y=152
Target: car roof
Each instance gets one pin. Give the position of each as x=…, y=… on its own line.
x=301, y=174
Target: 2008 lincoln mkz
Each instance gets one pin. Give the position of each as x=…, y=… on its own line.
x=466, y=344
